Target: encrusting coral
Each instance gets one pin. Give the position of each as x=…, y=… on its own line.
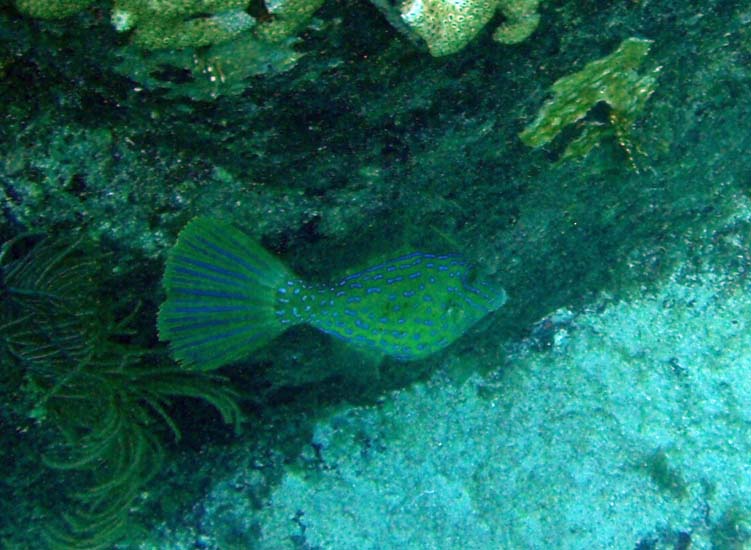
x=196, y=23
x=51, y=9
x=288, y=17
x=447, y=26
x=522, y=19
x=185, y=24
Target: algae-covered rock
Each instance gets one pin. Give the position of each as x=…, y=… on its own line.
x=223, y=69
x=205, y=49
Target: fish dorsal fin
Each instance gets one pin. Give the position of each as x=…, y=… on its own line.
x=368, y=262
x=383, y=256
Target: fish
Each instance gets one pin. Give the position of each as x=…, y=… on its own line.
x=227, y=296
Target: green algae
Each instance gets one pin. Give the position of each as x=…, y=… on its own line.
x=612, y=80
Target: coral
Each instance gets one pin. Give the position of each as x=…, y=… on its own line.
x=521, y=20
x=103, y=396
x=447, y=26
x=195, y=23
x=288, y=17
x=51, y=9
x=214, y=46
x=612, y=80
x=192, y=33
x=189, y=23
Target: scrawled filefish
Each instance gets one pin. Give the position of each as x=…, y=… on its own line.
x=227, y=296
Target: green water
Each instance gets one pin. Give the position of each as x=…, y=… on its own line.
x=605, y=405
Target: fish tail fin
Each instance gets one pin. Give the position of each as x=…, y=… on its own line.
x=221, y=289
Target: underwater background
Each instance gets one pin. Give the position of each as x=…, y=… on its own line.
x=589, y=158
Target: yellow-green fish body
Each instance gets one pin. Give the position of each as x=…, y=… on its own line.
x=227, y=296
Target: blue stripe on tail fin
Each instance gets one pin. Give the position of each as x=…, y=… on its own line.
x=221, y=287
